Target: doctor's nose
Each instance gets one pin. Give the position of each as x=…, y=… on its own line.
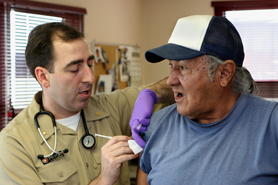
x=88, y=75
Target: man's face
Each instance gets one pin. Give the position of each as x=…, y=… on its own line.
x=72, y=79
x=193, y=90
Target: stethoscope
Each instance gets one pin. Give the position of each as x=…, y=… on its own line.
x=88, y=140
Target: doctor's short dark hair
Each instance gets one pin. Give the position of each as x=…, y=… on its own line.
x=39, y=49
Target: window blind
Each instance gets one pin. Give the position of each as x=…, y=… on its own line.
x=23, y=84
x=5, y=64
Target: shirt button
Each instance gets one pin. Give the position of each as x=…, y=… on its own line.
x=61, y=174
x=97, y=113
x=43, y=132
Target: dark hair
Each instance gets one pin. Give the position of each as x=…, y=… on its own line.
x=39, y=49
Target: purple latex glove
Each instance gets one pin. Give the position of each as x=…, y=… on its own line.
x=141, y=114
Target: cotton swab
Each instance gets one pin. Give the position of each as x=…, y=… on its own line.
x=131, y=143
x=99, y=135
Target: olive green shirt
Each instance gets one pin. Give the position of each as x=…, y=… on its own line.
x=21, y=143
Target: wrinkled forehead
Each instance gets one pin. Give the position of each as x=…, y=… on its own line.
x=197, y=60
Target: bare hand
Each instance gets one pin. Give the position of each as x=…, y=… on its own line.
x=113, y=154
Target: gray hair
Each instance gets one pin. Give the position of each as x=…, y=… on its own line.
x=242, y=80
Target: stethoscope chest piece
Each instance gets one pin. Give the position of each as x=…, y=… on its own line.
x=88, y=141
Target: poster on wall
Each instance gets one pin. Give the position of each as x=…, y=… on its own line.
x=124, y=64
x=114, y=73
x=130, y=65
x=104, y=84
x=98, y=55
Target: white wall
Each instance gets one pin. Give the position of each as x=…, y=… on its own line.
x=110, y=21
x=147, y=23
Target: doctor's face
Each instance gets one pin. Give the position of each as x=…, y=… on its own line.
x=72, y=79
x=193, y=90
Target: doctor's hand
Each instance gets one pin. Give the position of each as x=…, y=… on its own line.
x=113, y=154
x=141, y=114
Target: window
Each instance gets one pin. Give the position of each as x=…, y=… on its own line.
x=23, y=85
x=257, y=24
x=258, y=30
x=17, y=18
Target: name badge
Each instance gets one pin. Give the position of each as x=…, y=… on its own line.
x=53, y=157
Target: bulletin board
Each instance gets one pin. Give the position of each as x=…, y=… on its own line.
x=109, y=62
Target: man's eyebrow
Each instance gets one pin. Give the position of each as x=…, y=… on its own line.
x=79, y=61
x=73, y=63
x=91, y=57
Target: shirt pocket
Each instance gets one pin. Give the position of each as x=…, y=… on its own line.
x=61, y=171
x=96, y=153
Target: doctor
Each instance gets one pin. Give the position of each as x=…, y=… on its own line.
x=59, y=58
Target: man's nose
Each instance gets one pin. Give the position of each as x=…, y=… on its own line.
x=173, y=78
x=88, y=75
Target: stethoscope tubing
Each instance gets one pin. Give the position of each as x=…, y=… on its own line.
x=55, y=144
x=54, y=126
x=84, y=123
x=84, y=138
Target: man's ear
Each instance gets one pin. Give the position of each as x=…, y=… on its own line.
x=42, y=75
x=227, y=70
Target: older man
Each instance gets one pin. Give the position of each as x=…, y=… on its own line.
x=218, y=132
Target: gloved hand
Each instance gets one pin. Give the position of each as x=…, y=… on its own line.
x=141, y=114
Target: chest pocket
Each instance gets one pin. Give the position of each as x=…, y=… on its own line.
x=56, y=172
x=101, y=125
x=96, y=152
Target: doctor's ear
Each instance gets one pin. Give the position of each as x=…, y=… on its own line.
x=227, y=70
x=42, y=75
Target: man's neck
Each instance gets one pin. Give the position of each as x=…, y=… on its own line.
x=222, y=109
x=53, y=107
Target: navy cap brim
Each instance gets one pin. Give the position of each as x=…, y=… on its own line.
x=171, y=52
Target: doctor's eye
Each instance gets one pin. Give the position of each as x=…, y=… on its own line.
x=74, y=70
